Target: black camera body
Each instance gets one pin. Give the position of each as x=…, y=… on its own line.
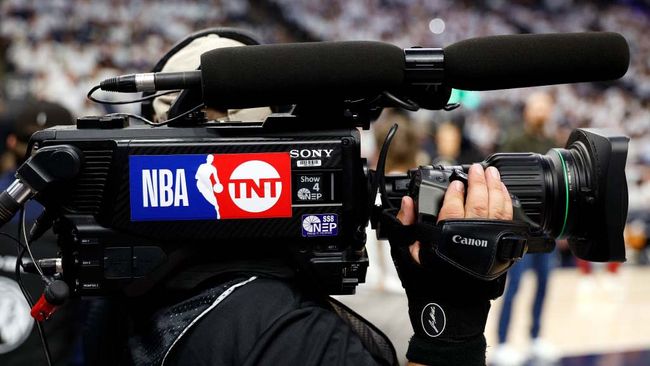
x=137, y=210
x=133, y=203
x=144, y=202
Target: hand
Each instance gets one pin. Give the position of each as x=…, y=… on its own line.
x=438, y=288
x=487, y=197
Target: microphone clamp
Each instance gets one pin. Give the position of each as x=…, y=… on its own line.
x=424, y=66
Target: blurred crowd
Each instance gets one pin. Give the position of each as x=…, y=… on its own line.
x=56, y=50
x=491, y=117
x=624, y=104
x=53, y=51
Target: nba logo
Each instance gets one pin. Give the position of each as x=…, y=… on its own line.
x=213, y=186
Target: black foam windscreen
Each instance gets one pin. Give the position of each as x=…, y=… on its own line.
x=241, y=77
x=514, y=61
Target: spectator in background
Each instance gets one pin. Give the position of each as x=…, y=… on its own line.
x=19, y=341
x=451, y=146
x=537, y=112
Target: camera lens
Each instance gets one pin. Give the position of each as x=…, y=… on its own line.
x=578, y=192
x=544, y=184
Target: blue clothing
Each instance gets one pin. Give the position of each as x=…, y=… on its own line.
x=541, y=264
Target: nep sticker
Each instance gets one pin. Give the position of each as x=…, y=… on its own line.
x=320, y=225
x=309, y=187
x=210, y=186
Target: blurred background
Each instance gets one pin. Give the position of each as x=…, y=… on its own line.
x=565, y=312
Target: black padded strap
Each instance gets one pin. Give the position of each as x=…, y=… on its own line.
x=482, y=248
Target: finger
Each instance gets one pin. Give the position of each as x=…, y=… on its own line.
x=476, y=205
x=415, y=251
x=508, y=203
x=406, y=214
x=495, y=194
x=453, y=205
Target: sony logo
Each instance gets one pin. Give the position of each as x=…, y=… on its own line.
x=469, y=241
x=311, y=153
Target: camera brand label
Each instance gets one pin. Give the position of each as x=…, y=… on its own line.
x=310, y=158
x=469, y=241
x=320, y=225
x=212, y=186
x=311, y=153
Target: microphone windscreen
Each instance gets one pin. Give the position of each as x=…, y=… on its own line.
x=241, y=77
x=514, y=61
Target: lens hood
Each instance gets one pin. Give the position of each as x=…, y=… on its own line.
x=602, y=205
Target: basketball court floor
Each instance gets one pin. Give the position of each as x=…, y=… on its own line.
x=595, y=320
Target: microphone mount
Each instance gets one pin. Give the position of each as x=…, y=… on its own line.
x=424, y=66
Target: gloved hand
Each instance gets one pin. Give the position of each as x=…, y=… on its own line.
x=448, y=308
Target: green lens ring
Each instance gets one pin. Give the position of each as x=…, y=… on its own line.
x=566, y=191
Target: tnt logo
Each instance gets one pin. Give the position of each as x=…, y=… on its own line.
x=213, y=186
x=255, y=186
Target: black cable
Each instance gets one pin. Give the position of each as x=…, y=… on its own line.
x=19, y=263
x=30, y=301
x=119, y=102
x=380, y=178
x=405, y=103
x=22, y=234
x=150, y=97
x=46, y=347
x=162, y=123
x=20, y=245
x=19, y=278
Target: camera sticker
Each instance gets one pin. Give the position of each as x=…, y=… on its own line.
x=309, y=187
x=309, y=163
x=210, y=186
x=320, y=225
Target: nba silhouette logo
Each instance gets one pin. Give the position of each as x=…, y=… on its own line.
x=210, y=187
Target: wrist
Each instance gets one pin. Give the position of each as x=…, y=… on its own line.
x=434, y=352
x=448, y=321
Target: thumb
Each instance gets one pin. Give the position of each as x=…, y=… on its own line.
x=406, y=214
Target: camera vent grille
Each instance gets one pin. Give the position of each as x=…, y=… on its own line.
x=88, y=192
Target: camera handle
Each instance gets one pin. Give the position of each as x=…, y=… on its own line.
x=481, y=248
x=48, y=166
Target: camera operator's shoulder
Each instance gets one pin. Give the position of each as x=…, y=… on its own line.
x=279, y=295
x=266, y=302
x=270, y=321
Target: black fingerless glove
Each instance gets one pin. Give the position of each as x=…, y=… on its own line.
x=448, y=307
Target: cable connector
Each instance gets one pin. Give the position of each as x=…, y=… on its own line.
x=55, y=294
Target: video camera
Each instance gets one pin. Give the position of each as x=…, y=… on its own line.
x=131, y=202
